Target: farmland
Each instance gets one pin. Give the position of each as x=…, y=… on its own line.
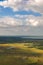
x=21, y=54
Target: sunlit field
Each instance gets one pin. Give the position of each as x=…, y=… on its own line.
x=20, y=54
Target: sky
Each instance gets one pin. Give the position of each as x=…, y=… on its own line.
x=21, y=17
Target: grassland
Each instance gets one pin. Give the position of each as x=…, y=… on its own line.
x=21, y=54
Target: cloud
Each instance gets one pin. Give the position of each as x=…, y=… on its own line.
x=21, y=20
x=9, y=21
x=21, y=30
x=35, y=5
x=33, y=22
x=29, y=25
x=21, y=24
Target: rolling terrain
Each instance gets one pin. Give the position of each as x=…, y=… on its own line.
x=21, y=53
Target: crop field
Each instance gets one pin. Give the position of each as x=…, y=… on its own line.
x=21, y=54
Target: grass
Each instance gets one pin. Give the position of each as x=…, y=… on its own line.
x=20, y=54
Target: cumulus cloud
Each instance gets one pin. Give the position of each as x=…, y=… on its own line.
x=22, y=24
x=29, y=25
x=26, y=21
x=35, y=5
x=9, y=21
x=33, y=22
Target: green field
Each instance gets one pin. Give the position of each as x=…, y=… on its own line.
x=21, y=54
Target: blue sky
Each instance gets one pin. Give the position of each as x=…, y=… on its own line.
x=9, y=12
x=21, y=16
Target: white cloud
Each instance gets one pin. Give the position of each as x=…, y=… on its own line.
x=33, y=22
x=8, y=21
x=4, y=3
x=35, y=5
x=31, y=25
x=22, y=23
x=27, y=21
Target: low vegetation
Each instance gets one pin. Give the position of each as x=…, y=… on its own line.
x=21, y=54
